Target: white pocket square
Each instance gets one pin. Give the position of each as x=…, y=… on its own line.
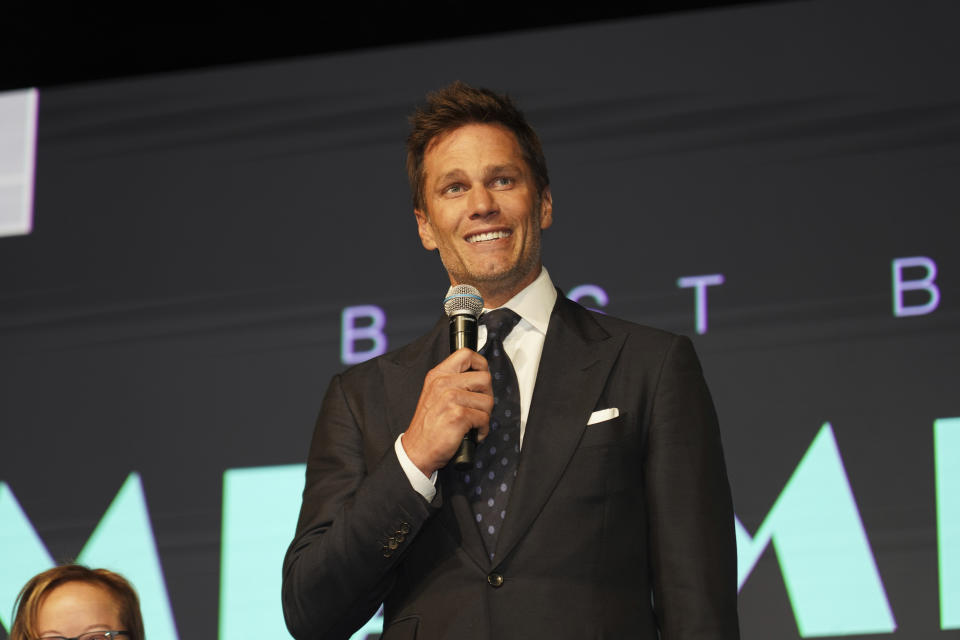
x=603, y=415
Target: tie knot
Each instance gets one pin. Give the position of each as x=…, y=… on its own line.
x=499, y=323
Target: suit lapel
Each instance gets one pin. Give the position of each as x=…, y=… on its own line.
x=576, y=361
x=459, y=518
x=574, y=366
x=403, y=373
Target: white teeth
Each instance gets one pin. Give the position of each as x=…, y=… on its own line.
x=490, y=235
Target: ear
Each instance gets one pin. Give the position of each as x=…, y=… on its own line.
x=425, y=230
x=546, y=209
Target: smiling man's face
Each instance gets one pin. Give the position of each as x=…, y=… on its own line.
x=483, y=213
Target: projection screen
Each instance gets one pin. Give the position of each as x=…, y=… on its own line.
x=188, y=258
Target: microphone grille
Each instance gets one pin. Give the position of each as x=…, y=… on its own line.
x=462, y=299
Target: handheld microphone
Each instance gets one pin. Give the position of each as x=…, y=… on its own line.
x=463, y=305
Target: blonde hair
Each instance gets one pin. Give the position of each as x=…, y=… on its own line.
x=31, y=596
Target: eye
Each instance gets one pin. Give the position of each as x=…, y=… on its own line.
x=502, y=181
x=454, y=189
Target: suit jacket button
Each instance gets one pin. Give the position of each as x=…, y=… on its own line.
x=387, y=552
x=495, y=580
x=392, y=543
x=404, y=528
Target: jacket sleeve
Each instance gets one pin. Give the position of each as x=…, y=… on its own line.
x=358, y=516
x=692, y=542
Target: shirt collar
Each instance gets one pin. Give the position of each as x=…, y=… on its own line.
x=534, y=303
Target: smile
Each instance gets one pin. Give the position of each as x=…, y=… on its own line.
x=489, y=235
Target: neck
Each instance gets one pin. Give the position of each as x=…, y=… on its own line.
x=497, y=294
x=494, y=300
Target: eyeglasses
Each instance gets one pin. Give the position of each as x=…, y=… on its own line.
x=92, y=635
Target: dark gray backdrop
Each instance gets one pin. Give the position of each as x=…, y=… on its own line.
x=176, y=310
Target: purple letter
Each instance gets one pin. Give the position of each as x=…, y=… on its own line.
x=700, y=284
x=350, y=333
x=582, y=291
x=925, y=283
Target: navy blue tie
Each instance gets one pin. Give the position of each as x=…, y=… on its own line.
x=488, y=484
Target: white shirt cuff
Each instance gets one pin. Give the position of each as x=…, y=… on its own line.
x=427, y=487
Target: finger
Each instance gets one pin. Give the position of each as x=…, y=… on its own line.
x=477, y=381
x=479, y=420
x=478, y=362
x=474, y=400
x=483, y=431
x=463, y=360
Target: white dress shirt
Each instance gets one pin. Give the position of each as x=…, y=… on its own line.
x=523, y=345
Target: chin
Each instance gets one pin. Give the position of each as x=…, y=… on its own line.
x=497, y=276
x=492, y=276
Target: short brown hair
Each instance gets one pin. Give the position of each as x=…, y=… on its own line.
x=460, y=104
x=31, y=596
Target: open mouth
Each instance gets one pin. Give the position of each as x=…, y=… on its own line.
x=489, y=235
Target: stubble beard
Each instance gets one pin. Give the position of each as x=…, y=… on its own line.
x=506, y=283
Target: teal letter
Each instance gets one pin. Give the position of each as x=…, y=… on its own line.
x=946, y=447
x=260, y=507
x=828, y=567
x=122, y=542
x=22, y=554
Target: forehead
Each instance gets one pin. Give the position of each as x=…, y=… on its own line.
x=472, y=147
x=77, y=601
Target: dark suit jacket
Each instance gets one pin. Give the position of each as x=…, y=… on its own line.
x=614, y=530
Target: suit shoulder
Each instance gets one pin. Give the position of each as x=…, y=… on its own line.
x=618, y=326
x=613, y=326
x=406, y=355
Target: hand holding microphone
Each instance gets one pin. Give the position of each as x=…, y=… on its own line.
x=457, y=396
x=463, y=305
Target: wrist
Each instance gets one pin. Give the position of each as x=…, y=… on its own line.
x=413, y=454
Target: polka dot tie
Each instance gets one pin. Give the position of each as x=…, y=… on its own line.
x=495, y=468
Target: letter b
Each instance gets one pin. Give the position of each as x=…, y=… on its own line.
x=350, y=333
x=925, y=283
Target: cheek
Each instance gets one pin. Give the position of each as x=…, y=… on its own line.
x=442, y=225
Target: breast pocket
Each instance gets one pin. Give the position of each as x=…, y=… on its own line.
x=605, y=461
x=602, y=433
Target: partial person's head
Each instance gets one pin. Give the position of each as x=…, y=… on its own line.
x=480, y=189
x=72, y=601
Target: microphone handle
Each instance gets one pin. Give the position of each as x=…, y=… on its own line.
x=463, y=333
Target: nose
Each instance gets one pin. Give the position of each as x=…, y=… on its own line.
x=482, y=203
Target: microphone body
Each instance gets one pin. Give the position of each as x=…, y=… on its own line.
x=463, y=305
x=463, y=332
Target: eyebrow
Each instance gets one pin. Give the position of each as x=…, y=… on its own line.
x=455, y=174
x=488, y=172
x=502, y=168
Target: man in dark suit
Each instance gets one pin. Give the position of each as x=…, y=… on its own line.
x=599, y=506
